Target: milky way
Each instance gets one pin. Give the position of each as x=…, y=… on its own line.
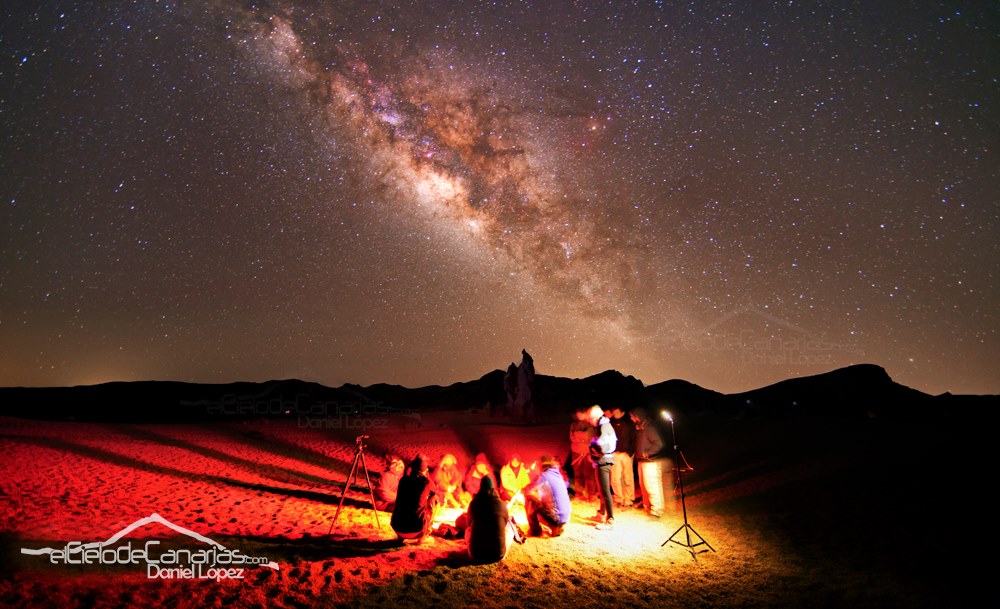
x=343, y=191
x=434, y=137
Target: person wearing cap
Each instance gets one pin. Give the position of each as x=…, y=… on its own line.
x=489, y=529
x=416, y=502
x=388, y=485
x=479, y=469
x=602, y=452
x=514, y=477
x=547, y=500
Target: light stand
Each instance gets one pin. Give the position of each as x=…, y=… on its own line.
x=691, y=537
x=359, y=456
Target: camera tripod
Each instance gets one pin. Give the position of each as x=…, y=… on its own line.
x=691, y=537
x=359, y=457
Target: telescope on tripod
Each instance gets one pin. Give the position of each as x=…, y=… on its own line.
x=359, y=457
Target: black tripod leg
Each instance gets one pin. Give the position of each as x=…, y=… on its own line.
x=371, y=492
x=688, y=532
x=343, y=493
x=672, y=535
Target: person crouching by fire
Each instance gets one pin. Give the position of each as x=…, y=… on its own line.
x=480, y=469
x=449, y=482
x=388, y=485
x=547, y=500
x=417, y=502
x=514, y=476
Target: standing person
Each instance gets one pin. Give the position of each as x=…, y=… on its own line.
x=602, y=452
x=622, y=475
x=651, y=454
x=513, y=478
x=388, y=485
x=546, y=500
x=584, y=484
x=416, y=502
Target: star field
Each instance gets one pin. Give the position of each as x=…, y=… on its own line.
x=412, y=192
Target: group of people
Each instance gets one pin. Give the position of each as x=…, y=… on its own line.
x=607, y=449
x=414, y=495
x=617, y=447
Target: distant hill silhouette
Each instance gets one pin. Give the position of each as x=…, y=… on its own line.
x=863, y=390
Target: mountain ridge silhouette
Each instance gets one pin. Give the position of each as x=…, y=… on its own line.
x=856, y=390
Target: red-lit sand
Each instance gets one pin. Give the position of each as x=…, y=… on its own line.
x=800, y=512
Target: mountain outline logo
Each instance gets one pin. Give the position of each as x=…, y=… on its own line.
x=81, y=548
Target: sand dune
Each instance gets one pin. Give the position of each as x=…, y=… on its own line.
x=817, y=511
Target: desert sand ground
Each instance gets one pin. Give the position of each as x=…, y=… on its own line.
x=820, y=512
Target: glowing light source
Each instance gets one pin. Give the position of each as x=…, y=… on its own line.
x=666, y=415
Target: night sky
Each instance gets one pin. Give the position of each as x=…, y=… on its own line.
x=731, y=193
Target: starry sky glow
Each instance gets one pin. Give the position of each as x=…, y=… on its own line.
x=732, y=193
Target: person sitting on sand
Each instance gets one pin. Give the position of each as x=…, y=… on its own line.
x=480, y=469
x=513, y=478
x=416, y=502
x=547, y=500
x=489, y=530
x=449, y=483
x=388, y=485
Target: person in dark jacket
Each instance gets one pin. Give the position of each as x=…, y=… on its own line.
x=489, y=530
x=622, y=481
x=546, y=500
x=651, y=455
x=416, y=502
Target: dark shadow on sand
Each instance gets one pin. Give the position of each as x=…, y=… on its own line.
x=123, y=461
x=285, y=448
x=276, y=473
